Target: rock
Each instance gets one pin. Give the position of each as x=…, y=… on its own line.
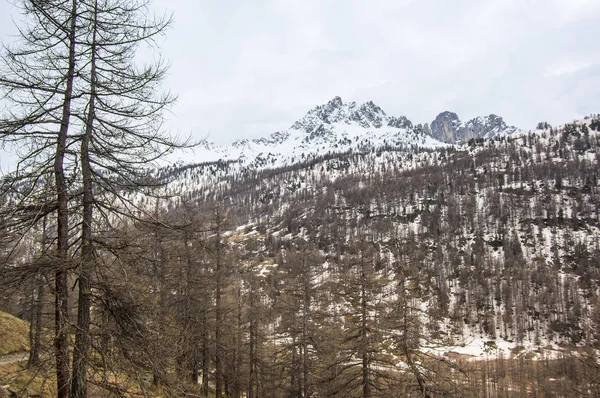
x=447, y=127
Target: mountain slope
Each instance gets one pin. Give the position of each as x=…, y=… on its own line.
x=481, y=219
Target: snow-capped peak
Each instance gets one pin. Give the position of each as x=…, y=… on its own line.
x=339, y=126
x=334, y=127
x=367, y=115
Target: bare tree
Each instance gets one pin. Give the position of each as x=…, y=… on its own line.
x=75, y=82
x=122, y=133
x=38, y=81
x=217, y=224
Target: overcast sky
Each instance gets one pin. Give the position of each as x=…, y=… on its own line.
x=248, y=68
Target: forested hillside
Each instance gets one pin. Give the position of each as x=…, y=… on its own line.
x=471, y=270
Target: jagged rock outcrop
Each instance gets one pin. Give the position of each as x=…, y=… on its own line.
x=447, y=127
x=367, y=115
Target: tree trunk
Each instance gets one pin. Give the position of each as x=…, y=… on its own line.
x=205, y=358
x=296, y=388
x=252, y=342
x=192, y=359
x=161, y=290
x=305, y=309
x=35, y=328
x=81, y=348
x=61, y=302
x=366, y=382
x=33, y=357
x=218, y=315
x=237, y=358
x=411, y=364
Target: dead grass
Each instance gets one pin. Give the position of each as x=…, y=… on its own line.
x=14, y=334
x=28, y=382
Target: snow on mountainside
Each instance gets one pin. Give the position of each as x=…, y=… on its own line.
x=330, y=128
x=495, y=224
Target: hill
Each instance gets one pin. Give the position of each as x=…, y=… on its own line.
x=13, y=334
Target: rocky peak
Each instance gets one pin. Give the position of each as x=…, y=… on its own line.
x=336, y=102
x=486, y=122
x=489, y=126
x=318, y=115
x=367, y=115
x=447, y=115
x=401, y=122
x=447, y=127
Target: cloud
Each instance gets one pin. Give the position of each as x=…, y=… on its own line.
x=250, y=68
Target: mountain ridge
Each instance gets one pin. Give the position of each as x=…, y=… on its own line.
x=339, y=126
x=336, y=126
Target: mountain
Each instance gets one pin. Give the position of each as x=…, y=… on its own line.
x=339, y=126
x=521, y=207
x=447, y=127
x=484, y=252
x=333, y=127
x=446, y=269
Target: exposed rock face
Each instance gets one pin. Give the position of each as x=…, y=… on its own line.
x=489, y=126
x=447, y=127
x=400, y=122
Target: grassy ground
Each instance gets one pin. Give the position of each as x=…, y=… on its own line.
x=14, y=334
x=14, y=338
x=28, y=382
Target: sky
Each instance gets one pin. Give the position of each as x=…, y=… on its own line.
x=249, y=68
